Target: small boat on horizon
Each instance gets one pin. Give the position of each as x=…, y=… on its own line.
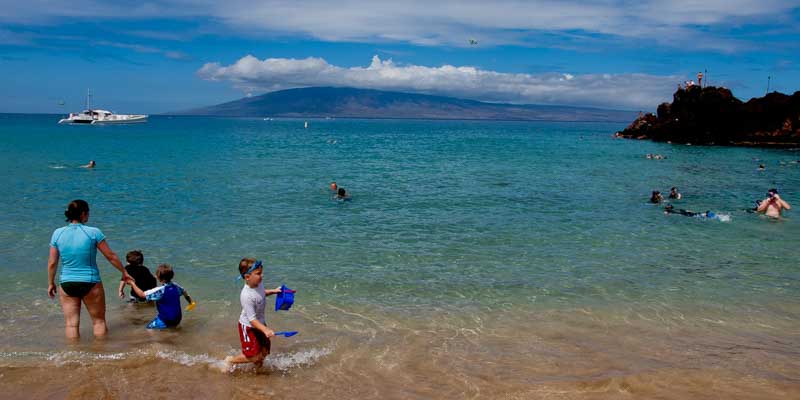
x=91, y=117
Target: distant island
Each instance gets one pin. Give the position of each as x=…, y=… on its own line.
x=333, y=102
x=713, y=116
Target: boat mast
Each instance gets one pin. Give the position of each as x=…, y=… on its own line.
x=88, y=97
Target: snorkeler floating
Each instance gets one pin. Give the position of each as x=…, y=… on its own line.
x=670, y=209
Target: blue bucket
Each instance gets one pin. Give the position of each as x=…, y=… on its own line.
x=284, y=299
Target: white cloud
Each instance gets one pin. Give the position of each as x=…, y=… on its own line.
x=450, y=22
x=630, y=91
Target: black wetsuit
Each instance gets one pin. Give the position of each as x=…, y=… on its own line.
x=144, y=279
x=682, y=212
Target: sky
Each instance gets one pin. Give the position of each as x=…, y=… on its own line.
x=169, y=55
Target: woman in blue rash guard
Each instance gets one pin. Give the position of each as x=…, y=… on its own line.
x=76, y=245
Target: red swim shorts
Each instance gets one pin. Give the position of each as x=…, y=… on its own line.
x=253, y=340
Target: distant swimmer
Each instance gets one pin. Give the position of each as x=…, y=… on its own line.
x=673, y=194
x=761, y=167
x=334, y=187
x=91, y=164
x=341, y=194
x=773, y=204
x=656, y=197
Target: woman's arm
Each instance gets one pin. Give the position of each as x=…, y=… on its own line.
x=52, y=265
x=113, y=259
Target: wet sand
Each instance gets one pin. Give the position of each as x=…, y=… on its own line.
x=586, y=353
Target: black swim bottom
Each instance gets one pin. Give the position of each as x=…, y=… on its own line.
x=77, y=289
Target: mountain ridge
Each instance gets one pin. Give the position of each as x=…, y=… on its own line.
x=344, y=102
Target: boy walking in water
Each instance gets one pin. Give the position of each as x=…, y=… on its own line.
x=253, y=331
x=167, y=298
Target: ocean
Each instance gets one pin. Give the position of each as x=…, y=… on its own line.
x=511, y=260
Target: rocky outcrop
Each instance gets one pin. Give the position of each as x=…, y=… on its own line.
x=713, y=116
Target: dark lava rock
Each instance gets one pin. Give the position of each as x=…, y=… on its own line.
x=712, y=115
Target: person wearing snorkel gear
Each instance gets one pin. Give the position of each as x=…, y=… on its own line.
x=656, y=197
x=670, y=209
x=773, y=204
x=253, y=331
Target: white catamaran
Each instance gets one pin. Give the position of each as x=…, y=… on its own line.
x=89, y=116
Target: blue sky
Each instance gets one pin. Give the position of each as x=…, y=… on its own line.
x=167, y=55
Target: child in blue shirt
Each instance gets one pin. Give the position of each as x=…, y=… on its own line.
x=167, y=298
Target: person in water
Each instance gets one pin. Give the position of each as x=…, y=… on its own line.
x=773, y=204
x=334, y=187
x=656, y=197
x=91, y=164
x=253, y=331
x=670, y=209
x=673, y=194
x=167, y=298
x=76, y=245
x=140, y=274
x=341, y=194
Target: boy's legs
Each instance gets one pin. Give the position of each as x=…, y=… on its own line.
x=254, y=348
x=243, y=359
x=71, y=306
x=96, y=304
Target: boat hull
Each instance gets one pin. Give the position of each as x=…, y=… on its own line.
x=114, y=120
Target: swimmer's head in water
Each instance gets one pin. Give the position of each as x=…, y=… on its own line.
x=772, y=192
x=341, y=192
x=333, y=186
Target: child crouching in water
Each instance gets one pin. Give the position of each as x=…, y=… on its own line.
x=136, y=269
x=167, y=298
x=253, y=331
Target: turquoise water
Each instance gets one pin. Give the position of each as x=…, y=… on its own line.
x=504, y=221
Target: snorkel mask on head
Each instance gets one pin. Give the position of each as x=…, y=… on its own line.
x=252, y=268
